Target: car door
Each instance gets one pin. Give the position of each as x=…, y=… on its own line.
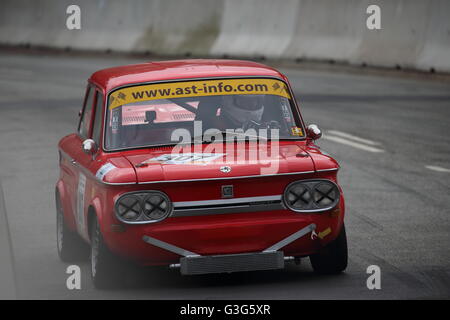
x=75, y=158
x=70, y=150
x=87, y=164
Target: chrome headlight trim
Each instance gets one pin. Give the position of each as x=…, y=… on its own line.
x=311, y=196
x=151, y=203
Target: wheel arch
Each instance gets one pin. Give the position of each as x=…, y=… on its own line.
x=94, y=211
x=91, y=216
x=62, y=197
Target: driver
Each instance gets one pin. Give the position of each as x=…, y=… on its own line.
x=239, y=110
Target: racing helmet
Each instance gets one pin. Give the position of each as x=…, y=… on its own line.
x=243, y=108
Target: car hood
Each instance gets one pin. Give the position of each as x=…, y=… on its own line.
x=209, y=161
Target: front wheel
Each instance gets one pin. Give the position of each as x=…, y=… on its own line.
x=105, y=266
x=333, y=258
x=70, y=246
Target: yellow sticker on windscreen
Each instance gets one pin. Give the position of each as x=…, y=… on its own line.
x=171, y=90
x=296, y=131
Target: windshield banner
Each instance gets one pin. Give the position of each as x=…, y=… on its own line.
x=171, y=90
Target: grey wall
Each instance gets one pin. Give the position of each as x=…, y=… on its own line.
x=414, y=34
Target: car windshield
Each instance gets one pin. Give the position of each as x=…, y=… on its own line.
x=157, y=114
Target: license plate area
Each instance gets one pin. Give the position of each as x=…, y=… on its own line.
x=232, y=263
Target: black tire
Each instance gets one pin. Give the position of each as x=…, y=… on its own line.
x=106, y=268
x=333, y=258
x=70, y=246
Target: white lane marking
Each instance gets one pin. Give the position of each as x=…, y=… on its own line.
x=352, y=144
x=438, y=169
x=352, y=137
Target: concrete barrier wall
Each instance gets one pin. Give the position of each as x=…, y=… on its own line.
x=414, y=34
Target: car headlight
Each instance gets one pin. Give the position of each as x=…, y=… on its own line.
x=143, y=207
x=311, y=195
x=128, y=208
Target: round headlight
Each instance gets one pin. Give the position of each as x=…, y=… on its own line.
x=298, y=197
x=143, y=207
x=129, y=208
x=156, y=206
x=311, y=195
x=325, y=194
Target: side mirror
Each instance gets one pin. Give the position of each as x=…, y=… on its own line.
x=89, y=147
x=80, y=112
x=313, y=132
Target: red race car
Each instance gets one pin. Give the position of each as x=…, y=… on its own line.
x=201, y=165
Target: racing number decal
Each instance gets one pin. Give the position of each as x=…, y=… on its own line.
x=80, y=202
x=186, y=158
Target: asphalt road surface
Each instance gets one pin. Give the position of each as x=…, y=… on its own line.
x=390, y=135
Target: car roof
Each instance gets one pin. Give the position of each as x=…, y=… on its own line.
x=111, y=78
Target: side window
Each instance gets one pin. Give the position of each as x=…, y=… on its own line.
x=96, y=133
x=85, y=121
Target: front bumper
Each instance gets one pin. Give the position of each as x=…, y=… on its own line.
x=192, y=263
x=224, y=234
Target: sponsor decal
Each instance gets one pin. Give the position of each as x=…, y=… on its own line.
x=186, y=158
x=296, y=131
x=80, y=201
x=104, y=169
x=197, y=88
